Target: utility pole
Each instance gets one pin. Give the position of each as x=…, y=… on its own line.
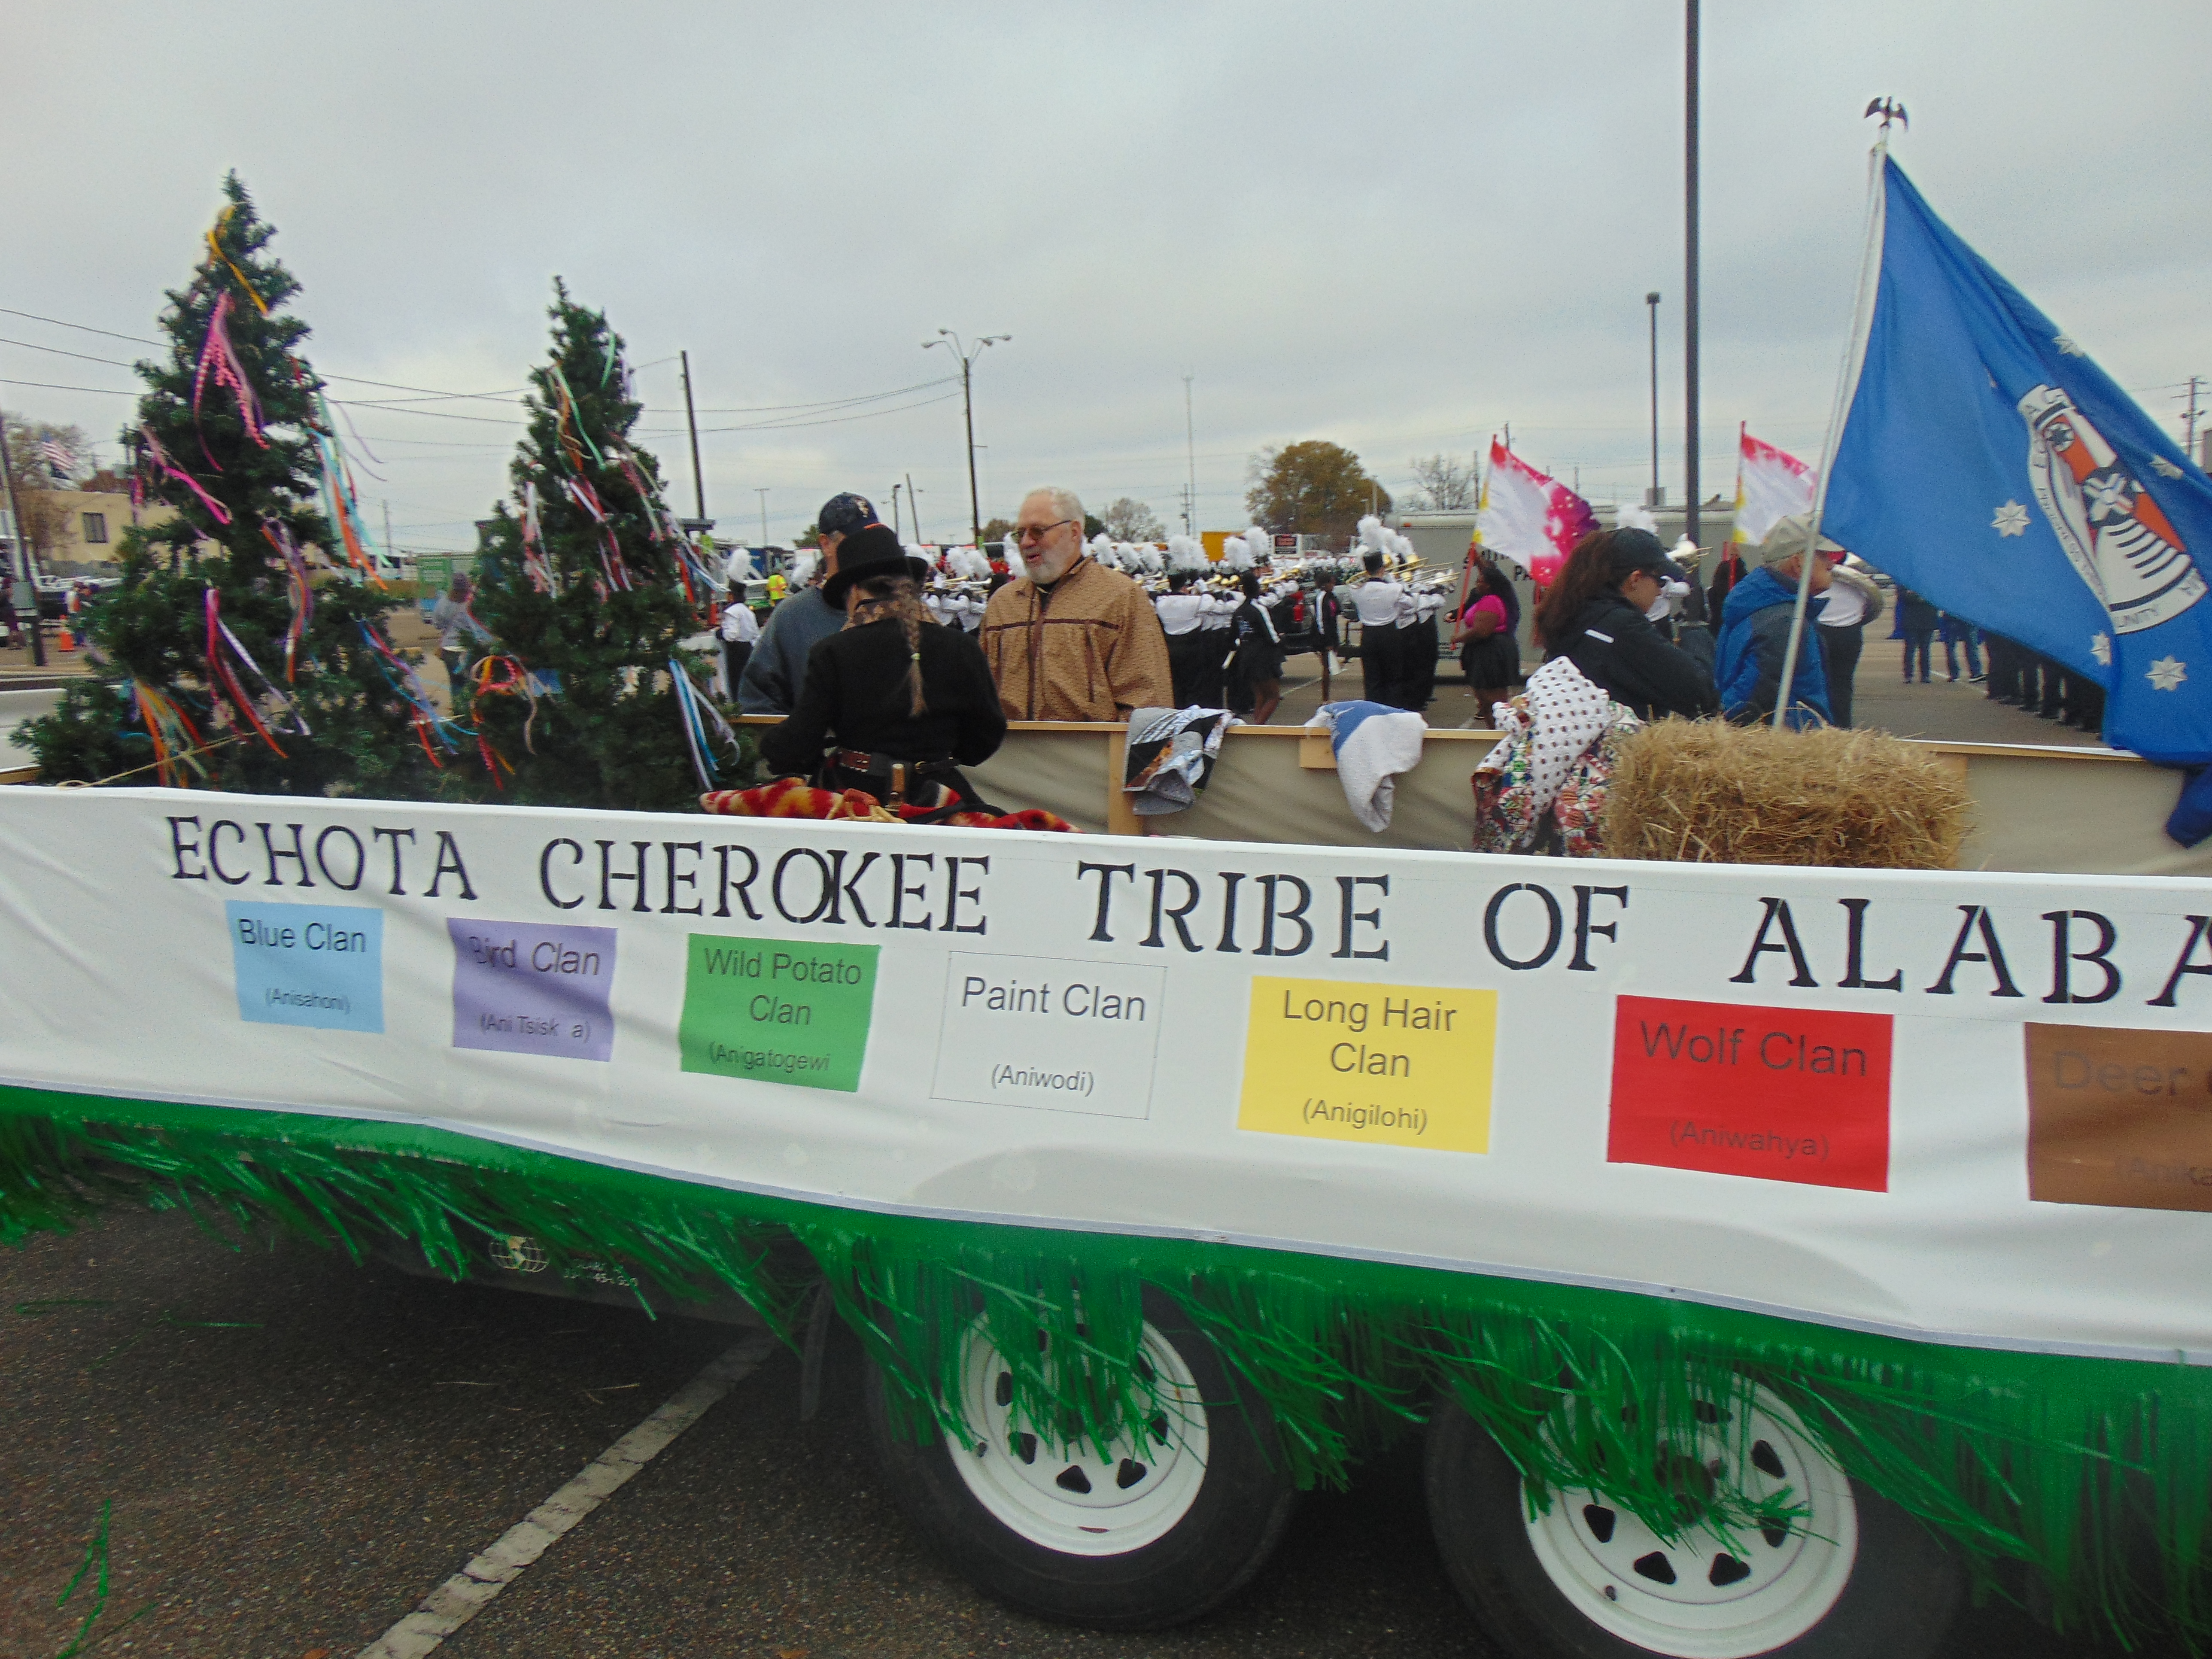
x=761, y=492
x=968, y=354
x=1655, y=498
x=2190, y=447
x=913, y=508
x=24, y=567
x=1690, y=484
x=895, y=510
x=390, y=551
x=1190, y=462
x=698, y=479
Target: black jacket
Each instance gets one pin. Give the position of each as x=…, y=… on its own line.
x=1615, y=648
x=855, y=691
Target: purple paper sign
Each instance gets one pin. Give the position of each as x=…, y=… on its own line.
x=531, y=988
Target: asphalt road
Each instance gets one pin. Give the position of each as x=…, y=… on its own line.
x=290, y=1451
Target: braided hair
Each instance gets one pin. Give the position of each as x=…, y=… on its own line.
x=872, y=599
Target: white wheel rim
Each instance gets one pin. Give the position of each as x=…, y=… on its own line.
x=1698, y=1598
x=1071, y=1500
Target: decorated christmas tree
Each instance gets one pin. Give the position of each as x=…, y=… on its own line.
x=587, y=586
x=244, y=649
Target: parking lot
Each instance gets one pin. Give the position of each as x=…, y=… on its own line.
x=290, y=1452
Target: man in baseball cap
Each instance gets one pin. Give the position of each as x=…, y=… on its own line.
x=1755, y=629
x=778, y=666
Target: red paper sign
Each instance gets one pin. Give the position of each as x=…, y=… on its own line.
x=1781, y=1094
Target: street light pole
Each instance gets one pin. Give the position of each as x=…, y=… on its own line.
x=761, y=490
x=1190, y=462
x=1651, y=303
x=1690, y=485
x=691, y=419
x=968, y=354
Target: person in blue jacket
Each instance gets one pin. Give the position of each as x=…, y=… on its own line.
x=1755, y=632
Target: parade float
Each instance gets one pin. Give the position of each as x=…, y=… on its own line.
x=1771, y=1256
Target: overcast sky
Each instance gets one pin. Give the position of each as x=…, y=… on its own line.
x=1396, y=227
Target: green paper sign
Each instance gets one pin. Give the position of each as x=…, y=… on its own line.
x=774, y=1011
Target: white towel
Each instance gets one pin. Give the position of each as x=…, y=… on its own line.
x=1373, y=742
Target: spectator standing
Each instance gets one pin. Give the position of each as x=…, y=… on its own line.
x=1070, y=640
x=1917, y=618
x=1958, y=631
x=454, y=622
x=740, y=630
x=1595, y=615
x=1853, y=603
x=2005, y=658
x=775, y=673
x=1755, y=626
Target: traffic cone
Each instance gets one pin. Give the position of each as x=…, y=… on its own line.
x=65, y=639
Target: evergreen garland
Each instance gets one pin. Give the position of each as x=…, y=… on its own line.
x=299, y=694
x=588, y=585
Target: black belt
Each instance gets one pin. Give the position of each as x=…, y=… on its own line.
x=900, y=773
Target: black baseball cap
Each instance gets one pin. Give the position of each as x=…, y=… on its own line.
x=841, y=515
x=1634, y=549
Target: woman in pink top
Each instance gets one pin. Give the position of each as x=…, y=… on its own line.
x=1488, y=654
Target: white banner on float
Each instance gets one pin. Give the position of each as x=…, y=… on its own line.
x=1963, y=1108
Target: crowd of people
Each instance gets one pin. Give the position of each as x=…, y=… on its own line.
x=891, y=681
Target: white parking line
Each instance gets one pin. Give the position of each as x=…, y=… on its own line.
x=470, y=1591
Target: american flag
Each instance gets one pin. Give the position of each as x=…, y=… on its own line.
x=59, y=460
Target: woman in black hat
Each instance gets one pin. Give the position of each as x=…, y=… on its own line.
x=1596, y=614
x=894, y=704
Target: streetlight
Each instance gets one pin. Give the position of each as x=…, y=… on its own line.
x=1654, y=496
x=968, y=354
x=761, y=490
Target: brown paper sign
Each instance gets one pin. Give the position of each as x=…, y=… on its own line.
x=2121, y=1118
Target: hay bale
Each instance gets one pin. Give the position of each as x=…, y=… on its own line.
x=1704, y=792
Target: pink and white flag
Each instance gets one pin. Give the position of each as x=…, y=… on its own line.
x=1532, y=520
x=1770, y=485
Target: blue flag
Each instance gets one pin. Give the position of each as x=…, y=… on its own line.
x=1987, y=464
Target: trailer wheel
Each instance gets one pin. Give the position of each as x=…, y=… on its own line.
x=1587, y=1581
x=1176, y=1519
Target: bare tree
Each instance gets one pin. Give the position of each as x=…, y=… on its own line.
x=1128, y=520
x=1447, y=485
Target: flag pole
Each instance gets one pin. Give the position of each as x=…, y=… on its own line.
x=1846, y=383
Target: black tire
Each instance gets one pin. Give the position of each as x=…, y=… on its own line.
x=1898, y=1601
x=1231, y=1527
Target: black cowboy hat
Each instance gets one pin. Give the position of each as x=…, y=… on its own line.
x=874, y=551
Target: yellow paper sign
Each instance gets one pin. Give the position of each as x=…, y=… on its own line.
x=1392, y=1065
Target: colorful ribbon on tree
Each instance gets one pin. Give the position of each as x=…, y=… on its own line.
x=501, y=675
x=610, y=559
x=219, y=363
x=535, y=565
x=303, y=592
x=215, y=252
x=408, y=687
x=177, y=742
x=221, y=673
x=159, y=458
x=701, y=720
x=340, y=504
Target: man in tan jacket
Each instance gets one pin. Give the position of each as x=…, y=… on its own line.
x=1068, y=640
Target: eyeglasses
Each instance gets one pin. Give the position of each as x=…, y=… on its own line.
x=1037, y=533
